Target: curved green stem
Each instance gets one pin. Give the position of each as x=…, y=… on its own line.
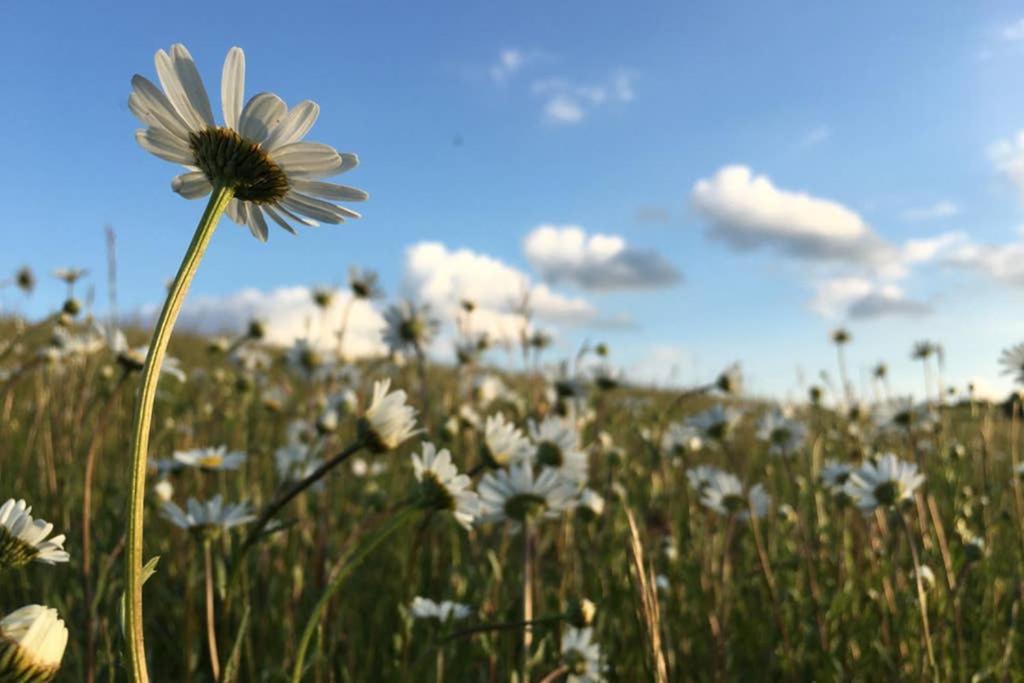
x=349, y=564
x=219, y=199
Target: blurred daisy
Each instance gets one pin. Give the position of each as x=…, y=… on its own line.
x=1012, y=360
x=883, y=482
x=408, y=326
x=364, y=284
x=211, y=459
x=32, y=643
x=207, y=518
x=783, y=434
x=258, y=152
x=504, y=443
x=515, y=494
x=680, y=438
x=164, y=490
x=582, y=656
x=715, y=423
x=133, y=359
x=557, y=446
x=23, y=539
x=303, y=358
x=724, y=493
x=388, y=421
x=442, y=487
x=425, y=608
x=592, y=501
x=701, y=475
x=293, y=463
x=834, y=475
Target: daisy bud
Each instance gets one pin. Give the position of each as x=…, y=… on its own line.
x=72, y=307
x=23, y=539
x=581, y=613
x=32, y=642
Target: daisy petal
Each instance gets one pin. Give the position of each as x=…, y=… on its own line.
x=232, y=86
x=159, y=142
x=308, y=222
x=257, y=224
x=277, y=218
x=294, y=126
x=261, y=114
x=192, y=83
x=307, y=159
x=191, y=185
x=153, y=107
x=313, y=207
x=234, y=211
x=175, y=92
x=341, y=193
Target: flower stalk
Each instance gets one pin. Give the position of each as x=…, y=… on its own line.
x=219, y=199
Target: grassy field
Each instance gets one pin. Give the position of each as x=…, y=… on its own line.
x=691, y=580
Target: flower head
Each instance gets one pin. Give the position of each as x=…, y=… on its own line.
x=23, y=539
x=516, y=494
x=558, y=446
x=783, y=434
x=883, y=482
x=425, y=608
x=209, y=518
x=442, y=487
x=388, y=421
x=211, y=459
x=364, y=284
x=258, y=153
x=504, y=443
x=408, y=326
x=582, y=656
x=32, y=643
x=716, y=422
x=725, y=494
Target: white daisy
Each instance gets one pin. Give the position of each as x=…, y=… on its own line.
x=783, y=434
x=716, y=422
x=884, y=482
x=504, y=443
x=293, y=462
x=425, y=608
x=210, y=517
x=725, y=494
x=513, y=494
x=558, y=446
x=701, y=475
x=134, y=358
x=408, y=326
x=365, y=284
x=211, y=459
x=442, y=487
x=582, y=656
x=23, y=539
x=681, y=438
x=388, y=421
x=834, y=475
x=258, y=151
x=32, y=643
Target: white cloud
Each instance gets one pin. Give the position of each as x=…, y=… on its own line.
x=568, y=102
x=861, y=298
x=566, y=253
x=662, y=365
x=288, y=313
x=444, y=277
x=938, y=210
x=1003, y=263
x=1008, y=158
x=510, y=61
x=748, y=211
x=816, y=136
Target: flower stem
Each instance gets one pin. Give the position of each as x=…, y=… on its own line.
x=347, y=565
x=211, y=618
x=219, y=199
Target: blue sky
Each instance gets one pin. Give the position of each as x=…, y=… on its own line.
x=478, y=122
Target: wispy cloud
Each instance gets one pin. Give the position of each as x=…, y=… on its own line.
x=510, y=62
x=816, y=136
x=569, y=102
x=860, y=298
x=1013, y=32
x=940, y=209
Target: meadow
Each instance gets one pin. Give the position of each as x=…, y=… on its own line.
x=653, y=563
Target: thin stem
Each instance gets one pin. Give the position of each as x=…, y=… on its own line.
x=219, y=199
x=527, y=597
x=347, y=565
x=211, y=619
x=922, y=598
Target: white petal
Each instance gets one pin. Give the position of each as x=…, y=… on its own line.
x=232, y=86
x=176, y=92
x=313, y=207
x=277, y=218
x=307, y=159
x=260, y=115
x=308, y=222
x=294, y=126
x=257, y=225
x=153, y=107
x=234, y=211
x=348, y=162
x=191, y=185
x=341, y=193
x=164, y=145
x=190, y=80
